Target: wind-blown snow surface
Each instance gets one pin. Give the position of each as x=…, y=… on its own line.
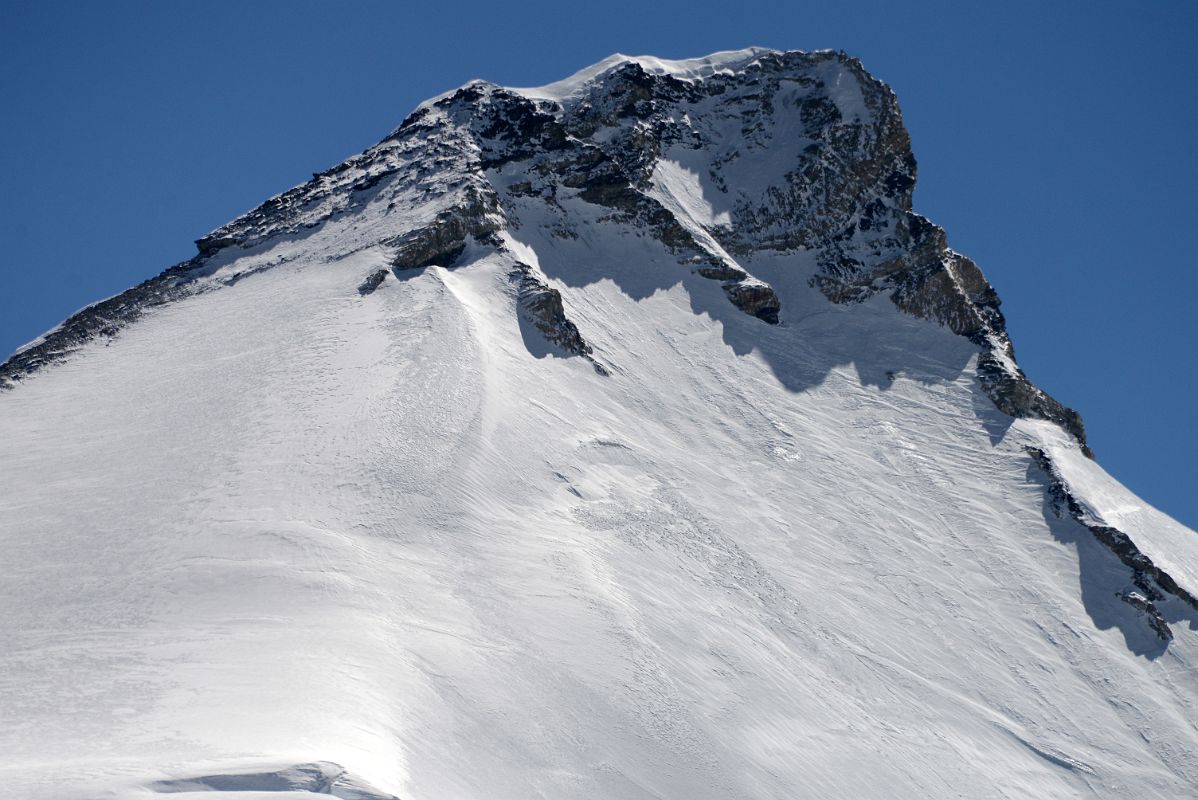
x=284, y=523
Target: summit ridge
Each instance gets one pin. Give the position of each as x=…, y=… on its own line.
x=835, y=129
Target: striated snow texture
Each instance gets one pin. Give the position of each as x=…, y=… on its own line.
x=628, y=437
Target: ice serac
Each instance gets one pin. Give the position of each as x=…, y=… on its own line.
x=630, y=436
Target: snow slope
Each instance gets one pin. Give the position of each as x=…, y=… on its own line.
x=281, y=522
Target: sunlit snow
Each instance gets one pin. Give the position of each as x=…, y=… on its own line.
x=282, y=523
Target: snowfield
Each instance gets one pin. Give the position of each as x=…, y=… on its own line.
x=284, y=523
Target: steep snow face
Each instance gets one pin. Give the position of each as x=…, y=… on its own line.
x=628, y=437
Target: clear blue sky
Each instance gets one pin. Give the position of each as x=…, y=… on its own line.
x=1056, y=143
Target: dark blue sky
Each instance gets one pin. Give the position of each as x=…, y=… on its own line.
x=1055, y=144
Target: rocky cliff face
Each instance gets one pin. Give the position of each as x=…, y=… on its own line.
x=771, y=152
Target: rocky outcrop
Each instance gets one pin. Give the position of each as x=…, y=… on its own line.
x=372, y=282
x=609, y=186
x=755, y=298
x=550, y=147
x=932, y=282
x=1013, y=394
x=1151, y=580
x=442, y=242
x=1152, y=614
x=635, y=116
x=541, y=305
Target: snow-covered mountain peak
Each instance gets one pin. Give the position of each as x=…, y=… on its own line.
x=689, y=69
x=627, y=437
x=802, y=155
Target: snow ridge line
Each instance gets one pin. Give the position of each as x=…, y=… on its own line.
x=1122, y=546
